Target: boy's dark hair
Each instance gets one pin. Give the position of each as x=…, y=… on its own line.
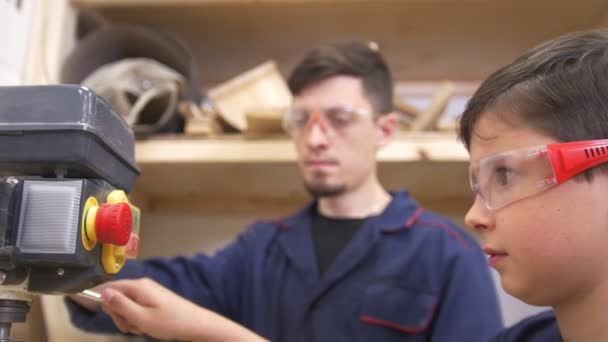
x=351, y=58
x=559, y=88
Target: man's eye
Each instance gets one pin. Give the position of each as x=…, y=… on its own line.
x=339, y=117
x=300, y=117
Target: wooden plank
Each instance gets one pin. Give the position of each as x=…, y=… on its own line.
x=123, y=3
x=185, y=170
x=279, y=184
x=422, y=40
x=271, y=208
x=193, y=151
x=239, y=149
x=33, y=328
x=60, y=329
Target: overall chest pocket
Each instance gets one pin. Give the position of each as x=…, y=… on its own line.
x=391, y=313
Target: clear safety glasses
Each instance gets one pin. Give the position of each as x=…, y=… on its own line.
x=333, y=120
x=507, y=177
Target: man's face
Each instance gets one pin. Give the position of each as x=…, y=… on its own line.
x=337, y=142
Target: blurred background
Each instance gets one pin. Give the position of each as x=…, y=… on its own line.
x=202, y=84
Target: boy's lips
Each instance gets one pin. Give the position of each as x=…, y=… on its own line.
x=494, y=256
x=492, y=251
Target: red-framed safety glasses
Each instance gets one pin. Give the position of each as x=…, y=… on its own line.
x=507, y=177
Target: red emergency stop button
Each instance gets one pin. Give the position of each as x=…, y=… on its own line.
x=114, y=223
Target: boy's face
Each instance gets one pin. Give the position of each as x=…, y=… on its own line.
x=547, y=247
x=337, y=142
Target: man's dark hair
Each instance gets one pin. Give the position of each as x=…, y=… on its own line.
x=558, y=88
x=350, y=58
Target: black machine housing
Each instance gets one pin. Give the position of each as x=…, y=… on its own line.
x=59, y=146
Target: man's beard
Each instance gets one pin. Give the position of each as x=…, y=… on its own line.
x=319, y=190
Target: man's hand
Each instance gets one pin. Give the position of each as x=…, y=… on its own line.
x=143, y=306
x=87, y=303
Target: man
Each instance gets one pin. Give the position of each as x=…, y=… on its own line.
x=356, y=264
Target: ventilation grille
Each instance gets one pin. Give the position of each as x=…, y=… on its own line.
x=594, y=152
x=49, y=217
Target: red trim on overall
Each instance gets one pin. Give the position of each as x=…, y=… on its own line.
x=408, y=224
x=437, y=224
x=447, y=229
x=402, y=328
x=280, y=225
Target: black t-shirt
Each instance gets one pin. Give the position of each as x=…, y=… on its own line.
x=330, y=236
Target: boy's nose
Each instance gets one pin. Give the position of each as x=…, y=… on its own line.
x=479, y=216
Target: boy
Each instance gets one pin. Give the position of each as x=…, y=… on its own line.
x=541, y=205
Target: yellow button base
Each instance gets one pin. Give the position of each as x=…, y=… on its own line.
x=113, y=257
x=87, y=234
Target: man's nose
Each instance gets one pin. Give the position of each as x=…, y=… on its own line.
x=317, y=134
x=317, y=130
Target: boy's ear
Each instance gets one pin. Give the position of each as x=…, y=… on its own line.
x=387, y=128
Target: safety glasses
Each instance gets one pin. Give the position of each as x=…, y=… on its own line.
x=507, y=177
x=333, y=120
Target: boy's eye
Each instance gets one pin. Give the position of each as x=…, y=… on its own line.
x=503, y=176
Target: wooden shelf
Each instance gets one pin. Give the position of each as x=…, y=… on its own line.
x=121, y=3
x=422, y=40
x=212, y=175
x=407, y=147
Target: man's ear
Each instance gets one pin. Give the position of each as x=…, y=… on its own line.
x=387, y=128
